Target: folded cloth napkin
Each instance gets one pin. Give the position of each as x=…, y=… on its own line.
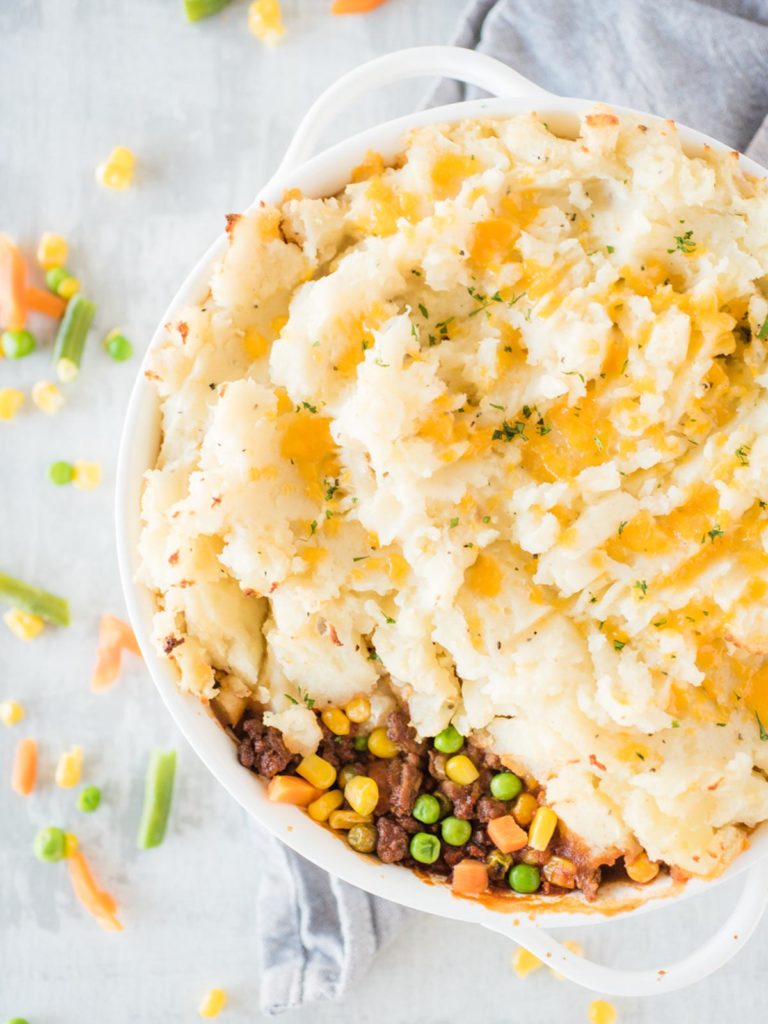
x=703, y=62
x=317, y=934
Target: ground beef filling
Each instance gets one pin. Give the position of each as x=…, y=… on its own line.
x=417, y=769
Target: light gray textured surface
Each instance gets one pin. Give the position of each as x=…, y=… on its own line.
x=208, y=112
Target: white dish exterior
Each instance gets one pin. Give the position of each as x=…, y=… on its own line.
x=323, y=175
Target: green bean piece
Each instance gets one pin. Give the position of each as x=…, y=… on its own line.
x=31, y=599
x=498, y=863
x=197, y=9
x=17, y=344
x=89, y=799
x=158, y=792
x=50, y=845
x=70, y=340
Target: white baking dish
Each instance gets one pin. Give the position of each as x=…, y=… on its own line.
x=521, y=918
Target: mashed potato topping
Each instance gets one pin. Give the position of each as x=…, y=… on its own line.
x=488, y=431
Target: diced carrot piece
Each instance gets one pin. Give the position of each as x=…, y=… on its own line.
x=506, y=834
x=115, y=636
x=24, y=775
x=288, y=789
x=354, y=6
x=95, y=900
x=13, y=286
x=45, y=302
x=470, y=878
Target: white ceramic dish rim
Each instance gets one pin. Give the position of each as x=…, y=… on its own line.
x=322, y=175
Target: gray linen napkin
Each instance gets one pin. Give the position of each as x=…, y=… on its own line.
x=703, y=62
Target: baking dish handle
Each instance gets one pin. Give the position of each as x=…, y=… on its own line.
x=417, y=62
x=616, y=981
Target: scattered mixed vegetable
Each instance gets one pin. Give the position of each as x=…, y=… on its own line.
x=70, y=340
x=265, y=17
x=117, y=170
x=24, y=773
x=33, y=600
x=158, y=792
x=214, y=1001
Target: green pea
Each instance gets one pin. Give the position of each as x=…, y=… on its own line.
x=425, y=848
x=455, y=831
x=17, y=344
x=426, y=809
x=61, y=473
x=89, y=799
x=360, y=743
x=506, y=786
x=363, y=838
x=449, y=741
x=524, y=878
x=17, y=1020
x=55, y=276
x=118, y=347
x=50, y=845
x=347, y=772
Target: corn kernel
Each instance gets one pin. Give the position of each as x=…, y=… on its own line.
x=524, y=809
x=560, y=871
x=67, y=370
x=24, y=625
x=214, y=1001
x=86, y=475
x=322, y=808
x=317, y=771
x=358, y=710
x=362, y=794
x=52, y=250
x=380, y=745
x=344, y=820
x=336, y=721
x=265, y=21
x=573, y=947
x=461, y=770
x=71, y=844
x=69, y=768
x=542, y=828
x=11, y=712
x=642, y=869
x=11, y=401
x=117, y=170
x=69, y=287
x=601, y=1012
x=524, y=963
x=47, y=397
